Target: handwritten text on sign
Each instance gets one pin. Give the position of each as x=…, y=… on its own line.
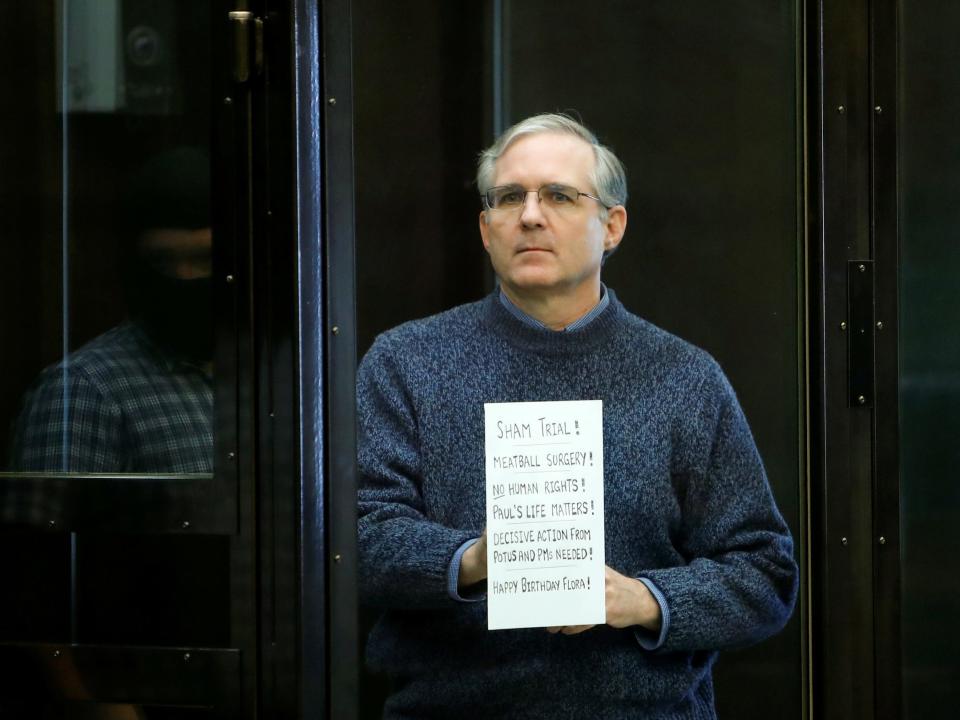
x=545, y=559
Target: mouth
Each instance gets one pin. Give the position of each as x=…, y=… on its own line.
x=532, y=250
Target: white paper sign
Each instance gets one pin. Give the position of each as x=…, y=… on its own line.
x=545, y=547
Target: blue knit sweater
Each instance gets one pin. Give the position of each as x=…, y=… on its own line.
x=687, y=502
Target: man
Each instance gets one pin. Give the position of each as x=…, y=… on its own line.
x=139, y=397
x=699, y=559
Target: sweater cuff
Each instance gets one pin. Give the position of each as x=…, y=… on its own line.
x=453, y=577
x=647, y=639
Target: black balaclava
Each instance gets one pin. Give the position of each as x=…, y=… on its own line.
x=170, y=191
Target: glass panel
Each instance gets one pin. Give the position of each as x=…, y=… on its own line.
x=701, y=102
x=106, y=267
x=105, y=295
x=420, y=128
x=929, y=355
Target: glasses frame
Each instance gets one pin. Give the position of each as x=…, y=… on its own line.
x=485, y=195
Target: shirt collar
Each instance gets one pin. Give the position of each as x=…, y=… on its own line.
x=575, y=325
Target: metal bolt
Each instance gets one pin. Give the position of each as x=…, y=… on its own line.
x=229, y=278
x=52, y=524
x=337, y=558
x=231, y=456
x=882, y=540
x=879, y=325
x=843, y=541
x=335, y=329
x=228, y=100
x=862, y=400
x=841, y=109
x=56, y=653
x=862, y=268
x=843, y=325
x=331, y=101
x=878, y=109
x=185, y=524
x=186, y=657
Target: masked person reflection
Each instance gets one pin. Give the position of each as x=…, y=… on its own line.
x=139, y=397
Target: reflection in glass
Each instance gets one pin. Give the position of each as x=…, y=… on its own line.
x=106, y=256
x=138, y=398
x=105, y=319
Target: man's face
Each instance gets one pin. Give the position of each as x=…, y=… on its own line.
x=540, y=251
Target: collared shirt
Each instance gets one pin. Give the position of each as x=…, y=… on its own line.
x=575, y=325
x=120, y=404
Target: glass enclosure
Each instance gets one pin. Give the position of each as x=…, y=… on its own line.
x=702, y=101
x=145, y=371
x=108, y=403
x=929, y=67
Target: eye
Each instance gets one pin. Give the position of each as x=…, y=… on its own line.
x=509, y=197
x=560, y=195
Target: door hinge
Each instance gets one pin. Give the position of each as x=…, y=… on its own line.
x=247, y=38
x=860, y=348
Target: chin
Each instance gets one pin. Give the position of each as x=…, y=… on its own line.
x=527, y=285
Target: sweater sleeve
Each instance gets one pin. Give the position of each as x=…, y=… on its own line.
x=739, y=583
x=404, y=555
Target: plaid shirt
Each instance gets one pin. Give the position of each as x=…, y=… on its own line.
x=117, y=405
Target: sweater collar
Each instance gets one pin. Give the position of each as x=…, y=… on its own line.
x=539, y=340
x=580, y=322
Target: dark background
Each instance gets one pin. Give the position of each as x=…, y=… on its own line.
x=929, y=90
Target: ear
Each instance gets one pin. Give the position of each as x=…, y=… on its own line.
x=484, y=230
x=615, y=227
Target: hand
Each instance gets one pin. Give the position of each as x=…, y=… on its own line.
x=473, y=563
x=628, y=602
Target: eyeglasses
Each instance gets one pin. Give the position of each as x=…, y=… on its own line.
x=553, y=195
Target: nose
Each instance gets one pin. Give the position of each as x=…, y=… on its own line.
x=531, y=214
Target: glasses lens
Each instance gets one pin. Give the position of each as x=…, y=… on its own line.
x=505, y=196
x=559, y=196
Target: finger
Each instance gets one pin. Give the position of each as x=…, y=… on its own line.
x=554, y=630
x=575, y=629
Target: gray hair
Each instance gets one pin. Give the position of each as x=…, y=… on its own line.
x=609, y=177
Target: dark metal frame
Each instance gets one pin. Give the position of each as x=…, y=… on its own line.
x=174, y=504
x=884, y=66
x=197, y=677
x=313, y=602
x=340, y=353
x=840, y=437
x=852, y=221
x=305, y=363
